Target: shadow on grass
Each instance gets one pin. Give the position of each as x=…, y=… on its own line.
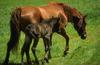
x=11, y=63
x=15, y=64
x=41, y=62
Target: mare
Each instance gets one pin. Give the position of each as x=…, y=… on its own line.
x=22, y=16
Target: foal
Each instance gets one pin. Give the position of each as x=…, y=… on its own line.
x=41, y=30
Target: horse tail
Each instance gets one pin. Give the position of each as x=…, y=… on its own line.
x=15, y=29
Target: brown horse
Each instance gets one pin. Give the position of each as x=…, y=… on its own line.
x=23, y=16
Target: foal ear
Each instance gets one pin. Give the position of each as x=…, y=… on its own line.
x=27, y=28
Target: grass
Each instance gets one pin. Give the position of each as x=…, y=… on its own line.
x=81, y=52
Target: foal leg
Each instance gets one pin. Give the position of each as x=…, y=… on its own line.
x=25, y=48
x=34, y=49
x=50, y=44
x=49, y=56
x=47, y=49
x=63, y=33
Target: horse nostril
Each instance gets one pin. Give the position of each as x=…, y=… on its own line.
x=85, y=35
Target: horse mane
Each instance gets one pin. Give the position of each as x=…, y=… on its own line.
x=76, y=13
x=70, y=11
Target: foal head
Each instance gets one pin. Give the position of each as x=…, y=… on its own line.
x=32, y=30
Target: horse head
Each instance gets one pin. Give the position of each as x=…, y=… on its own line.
x=76, y=18
x=32, y=30
x=80, y=25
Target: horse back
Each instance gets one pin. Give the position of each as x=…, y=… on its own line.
x=31, y=14
x=28, y=15
x=50, y=11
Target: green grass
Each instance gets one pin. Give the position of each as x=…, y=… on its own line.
x=81, y=52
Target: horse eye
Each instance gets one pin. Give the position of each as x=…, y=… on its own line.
x=29, y=27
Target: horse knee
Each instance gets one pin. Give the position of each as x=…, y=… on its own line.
x=47, y=49
x=22, y=51
x=9, y=44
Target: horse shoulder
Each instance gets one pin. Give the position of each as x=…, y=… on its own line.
x=49, y=11
x=31, y=14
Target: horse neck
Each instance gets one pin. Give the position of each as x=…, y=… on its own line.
x=68, y=13
x=72, y=12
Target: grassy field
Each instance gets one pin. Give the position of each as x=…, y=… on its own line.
x=81, y=52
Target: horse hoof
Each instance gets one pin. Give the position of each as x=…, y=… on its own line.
x=42, y=62
x=29, y=63
x=46, y=60
x=49, y=57
x=36, y=63
x=65, y=53
x=22, y=63
x=5, y=63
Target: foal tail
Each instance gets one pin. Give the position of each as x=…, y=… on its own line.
x=14, y=29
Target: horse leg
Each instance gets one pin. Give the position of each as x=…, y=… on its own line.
x=25, y=48
x=8, y=53
x=47, y=49
x=49, y=56
x=63, y=33
x=34, y=49
x=10, y=45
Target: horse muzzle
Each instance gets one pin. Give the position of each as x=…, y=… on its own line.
x=83, y=36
